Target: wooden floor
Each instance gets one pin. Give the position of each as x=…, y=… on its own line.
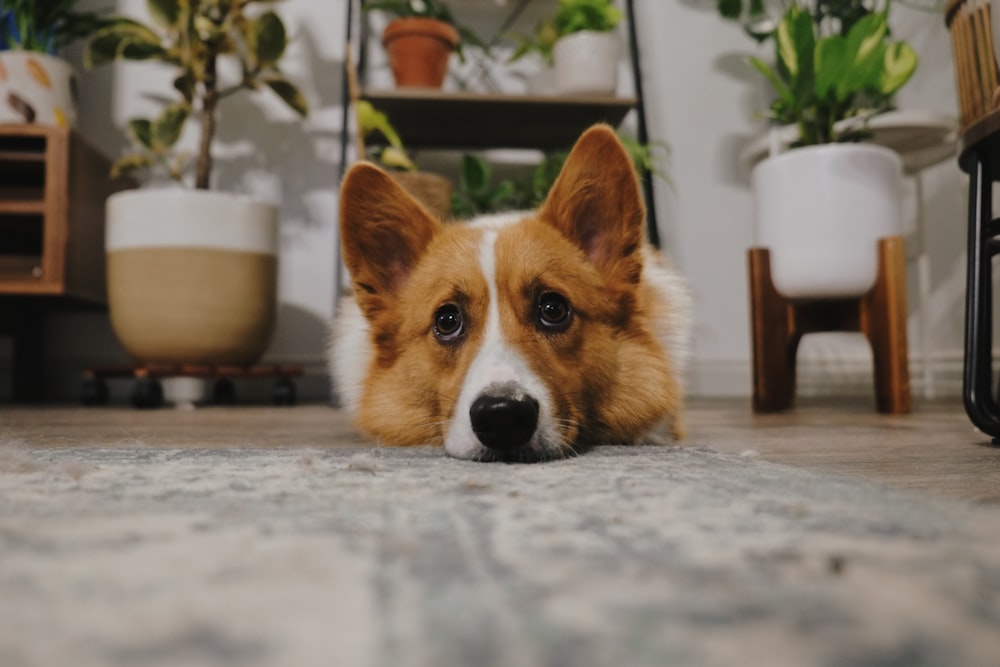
x=934, y=450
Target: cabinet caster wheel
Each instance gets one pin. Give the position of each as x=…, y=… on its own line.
x=94, y=391
x=147, y=393
x=284, y=392
x=224, y=392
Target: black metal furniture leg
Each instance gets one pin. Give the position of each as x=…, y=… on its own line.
x=980, y=403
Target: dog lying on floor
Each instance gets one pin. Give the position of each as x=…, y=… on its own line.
x=520, y=336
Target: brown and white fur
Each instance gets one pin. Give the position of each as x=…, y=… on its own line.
x=517, y=337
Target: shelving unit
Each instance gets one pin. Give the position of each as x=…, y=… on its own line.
x=478, y=120
x=53, y=185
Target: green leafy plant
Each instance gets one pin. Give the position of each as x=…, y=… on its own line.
x=478, y=194
x=44, y=26
x=760, y=18
x=373, y=122
x=541, y=41
x=820, y=80
x=193, y=35
x=579, y=15
x=429, y=9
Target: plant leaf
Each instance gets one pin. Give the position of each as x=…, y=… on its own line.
x=130, y=163
x=166, y=13
x=780, y=87
x=900, y=61
x=124, y=38
x=396, y=158
x=830, y=63
x=475, y=175
x=796, y=41
x=289, y=94
x=866, y=36
x=167, y=128
x=269, y=38
x=141, y=130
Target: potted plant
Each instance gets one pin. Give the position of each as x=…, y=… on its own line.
x=540, y=44
x=420, y=39
x=585, y=55
x=431, y=190
x=192, y=272
x=37, y=86
x=822, y=206
x=477, y=192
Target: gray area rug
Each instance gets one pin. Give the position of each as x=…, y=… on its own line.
x=389, y=557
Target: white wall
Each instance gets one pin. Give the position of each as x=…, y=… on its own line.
x=700, y=102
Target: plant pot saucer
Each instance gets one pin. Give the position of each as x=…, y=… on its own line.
x=922, y=138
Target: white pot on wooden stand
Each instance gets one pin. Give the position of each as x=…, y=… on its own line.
x=821, y=210
x=37, y=88
x=586, y=63
x=192, y=275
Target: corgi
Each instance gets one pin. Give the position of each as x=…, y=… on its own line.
x=516, y=337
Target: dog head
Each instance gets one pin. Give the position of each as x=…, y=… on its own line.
x=520, y=336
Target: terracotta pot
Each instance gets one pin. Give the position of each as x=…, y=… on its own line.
x=192, y=275
x=419, y=50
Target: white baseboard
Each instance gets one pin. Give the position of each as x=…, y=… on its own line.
x=939, y=378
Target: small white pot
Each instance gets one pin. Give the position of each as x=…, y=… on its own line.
x=586, y=63
x=37, y=88
x=821, y=210
x=192, y=275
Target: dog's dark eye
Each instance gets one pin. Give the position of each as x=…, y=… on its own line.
x=554, y=312
x=448, y=323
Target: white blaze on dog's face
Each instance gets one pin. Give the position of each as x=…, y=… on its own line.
x=516, y=337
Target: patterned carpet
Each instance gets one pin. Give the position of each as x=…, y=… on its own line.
x=141, y=556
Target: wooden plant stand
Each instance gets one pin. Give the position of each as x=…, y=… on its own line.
x=147, y=392
x=778, y=324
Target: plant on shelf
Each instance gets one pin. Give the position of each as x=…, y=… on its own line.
x=430, y=9
x=478, y=194
x=44, y=26
x=821, y=79
x=373, y=122
x=420, y=39
x=585, y=54
x=194, y=36
x=381, y=143
x=542, y=42
x=586, y=15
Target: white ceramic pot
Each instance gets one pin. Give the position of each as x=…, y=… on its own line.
x=37, y=88
x=192, y=275
x=821, y=210
x=586, y=63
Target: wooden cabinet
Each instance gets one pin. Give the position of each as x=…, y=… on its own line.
x=52, y=191
x=53, y=186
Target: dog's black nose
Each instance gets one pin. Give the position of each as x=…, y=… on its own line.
x=503, y=423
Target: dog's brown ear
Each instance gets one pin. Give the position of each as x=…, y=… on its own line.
x=596, y=203
x=383, y=232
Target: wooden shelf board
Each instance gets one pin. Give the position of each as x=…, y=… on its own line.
x=435, y=119
x=7, y=155
x=18, y=267
x=12, y=203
